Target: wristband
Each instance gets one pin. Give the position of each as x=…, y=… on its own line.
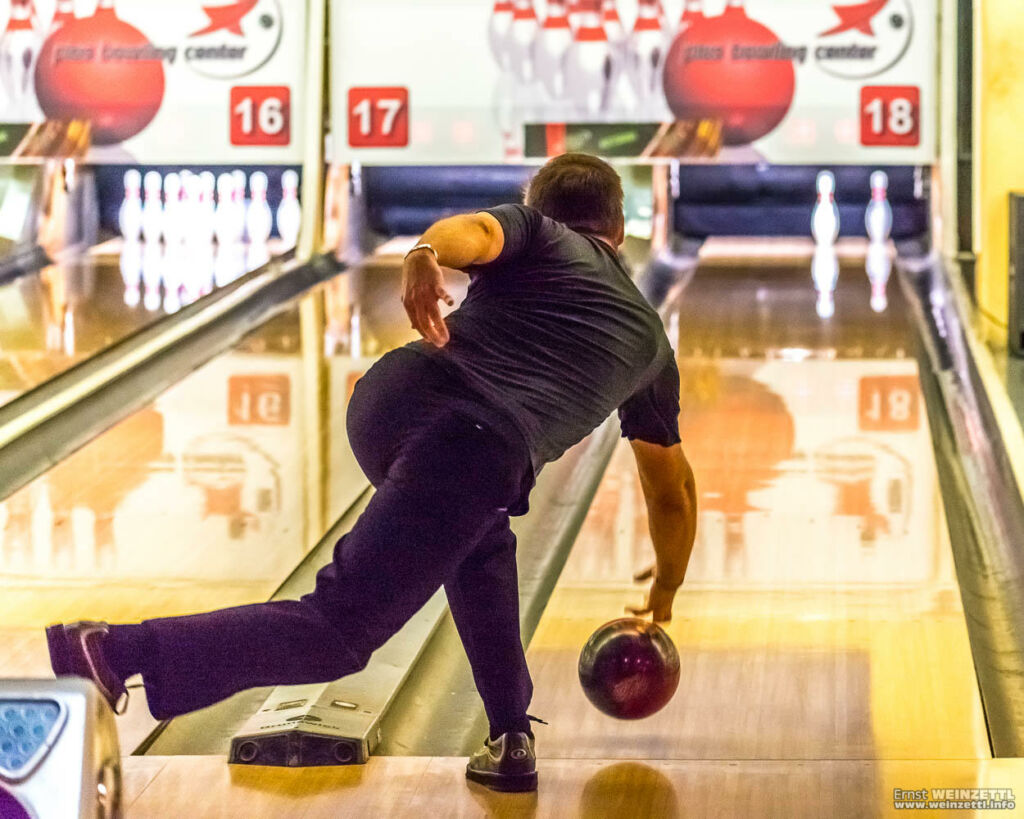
x=424, y=246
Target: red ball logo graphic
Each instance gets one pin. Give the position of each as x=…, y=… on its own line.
x=104, y=70
x=730, y=68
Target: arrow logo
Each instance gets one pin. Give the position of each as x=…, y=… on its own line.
x=857, y=17
x=226, y=18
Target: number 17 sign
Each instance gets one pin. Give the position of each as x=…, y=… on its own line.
x=378, y=117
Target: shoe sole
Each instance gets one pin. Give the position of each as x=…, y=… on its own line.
x=506, y=783
x=60, y=658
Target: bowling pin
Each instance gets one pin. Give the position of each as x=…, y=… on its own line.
x=825, y=273
x=646, y=55
x=693, y=10
x=878, y=215
x=258, y=220
x=553, y=42
x=131, y=271
x=152, y=208
x=224, y=220
x=521, y=37
x=878, y=265
x=825, y=216
x=196, y=221
x=289, y=212
x=152, y=273
x=223, y=264
x=613, y=25
x=19, y=50
x=663, y=18
x=498, y=31
x=64, y=13
x=257, y=254
x=207, y=208
x=174, y=229
x=201, y=261
x=590, y=69
x=175, y=267
x=129, y=215
x=241, y=203
x=574, y=11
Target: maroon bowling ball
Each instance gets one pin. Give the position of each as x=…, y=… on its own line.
x=11, y=808
x=629, y=668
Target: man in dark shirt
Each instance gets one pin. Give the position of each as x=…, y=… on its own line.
x=451, y=431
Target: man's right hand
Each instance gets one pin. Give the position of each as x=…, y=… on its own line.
x=422, y=289
x=659, y=599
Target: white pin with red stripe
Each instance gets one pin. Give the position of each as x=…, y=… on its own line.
x=646, y=55
x=19, y=50
x=498, y=30
x=553, y=42
x=590, y=66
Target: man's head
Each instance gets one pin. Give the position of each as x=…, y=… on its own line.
x=581, y=191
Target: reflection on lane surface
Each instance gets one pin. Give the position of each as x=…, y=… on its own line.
x=63, y=313
x=820, y=618
x=201, y=499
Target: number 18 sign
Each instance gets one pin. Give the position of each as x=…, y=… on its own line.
x=890, y=115
x=889, y=403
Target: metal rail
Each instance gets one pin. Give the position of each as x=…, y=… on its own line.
x=984, y=509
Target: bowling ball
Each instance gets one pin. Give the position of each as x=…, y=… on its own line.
x=722, y=68
x=629, y=668
x=11, y=808
x=104, y=70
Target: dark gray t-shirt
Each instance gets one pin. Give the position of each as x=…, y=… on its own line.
x=556, y=334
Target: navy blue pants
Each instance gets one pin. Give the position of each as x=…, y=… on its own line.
x=445, y=477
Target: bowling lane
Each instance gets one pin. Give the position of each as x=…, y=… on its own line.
x=821, y=617
x=210, y=495
x=63, y=313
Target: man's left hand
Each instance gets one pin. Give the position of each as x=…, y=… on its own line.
x=659, y=599
x=422, y=289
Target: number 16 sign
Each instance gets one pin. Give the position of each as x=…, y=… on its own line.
x=378, y=117
x=261, y=115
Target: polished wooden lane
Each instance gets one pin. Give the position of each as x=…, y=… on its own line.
x=416, y=787
x=821, y=618
x=199, y=500
x=825, y=656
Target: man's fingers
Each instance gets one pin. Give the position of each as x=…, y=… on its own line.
x=646, y=574
x=438, y=331
x=410, y=311
x=417, y=316
x=425, y=317
x=443, y=295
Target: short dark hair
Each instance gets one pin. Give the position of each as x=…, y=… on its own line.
x=581, y=191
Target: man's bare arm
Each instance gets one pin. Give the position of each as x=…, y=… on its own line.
x=671, y=496
x=460, y=241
